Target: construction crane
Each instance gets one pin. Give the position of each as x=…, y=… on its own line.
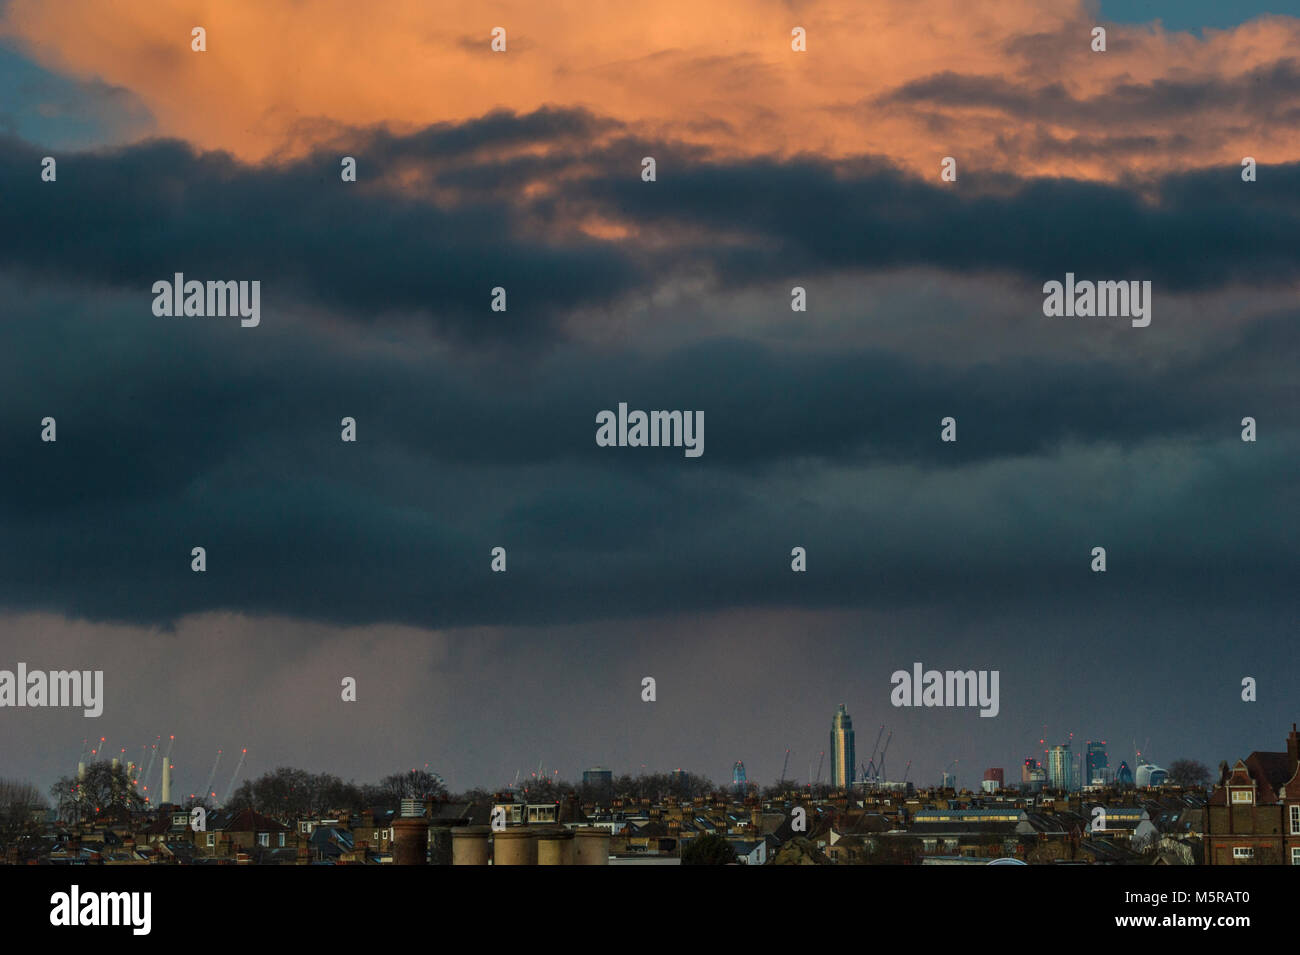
x=946, y=770
x=153, y=755
x=880, y=768
x=238, y=766
x=821, y=759
x=207, y=787
x=784, y=766
x=871, y=762
x=907, y=770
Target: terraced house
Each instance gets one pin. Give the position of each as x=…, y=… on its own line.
x=1253, y=817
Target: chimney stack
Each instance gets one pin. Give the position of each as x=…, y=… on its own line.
x=469, y=845
x=1293, y=749
x=411, y=835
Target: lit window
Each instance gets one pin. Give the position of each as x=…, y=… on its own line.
x=212, y=839
x=263, y=838
x=1243, y=796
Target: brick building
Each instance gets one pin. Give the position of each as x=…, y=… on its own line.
x=1253, y=817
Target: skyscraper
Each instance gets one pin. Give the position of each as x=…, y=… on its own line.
x=1096, y=765
x=1123, y=775
x=843, y=765
x=1059, y=767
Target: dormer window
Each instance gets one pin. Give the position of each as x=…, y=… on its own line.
x=1243, y=797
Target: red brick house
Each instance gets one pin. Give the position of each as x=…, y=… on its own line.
x=1253, y=817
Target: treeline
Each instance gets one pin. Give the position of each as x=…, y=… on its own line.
x=295, y=792
x=282, y=792
x=654, y=786
x=287, y=792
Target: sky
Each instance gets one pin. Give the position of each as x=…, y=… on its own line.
x=476, y=428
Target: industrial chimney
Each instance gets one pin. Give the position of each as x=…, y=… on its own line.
x=167, y=782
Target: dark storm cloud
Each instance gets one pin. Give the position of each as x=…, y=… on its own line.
x=475, y=209
x=135, y=216
x=1261, y=95
x=805, y=214
x=174, y=434
x=182, y=432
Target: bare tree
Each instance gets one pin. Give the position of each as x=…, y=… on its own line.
x=20, y=803
x=105, y=787
x=415, y=784
x=1189, y=774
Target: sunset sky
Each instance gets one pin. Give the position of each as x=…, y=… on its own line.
x=775, y=168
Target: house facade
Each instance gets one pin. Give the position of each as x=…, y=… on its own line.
x=1253, y=816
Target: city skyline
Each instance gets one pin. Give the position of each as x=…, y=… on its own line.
x=145, y=756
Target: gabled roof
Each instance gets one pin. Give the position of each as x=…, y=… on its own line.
x=653, y=829
x=246, y=820
x=1269, y=771
x=331, y=841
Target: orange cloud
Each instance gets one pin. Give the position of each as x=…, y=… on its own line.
x=1006, y=85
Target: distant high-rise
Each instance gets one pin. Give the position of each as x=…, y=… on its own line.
x=843, y=764
x=1027, y=770
x=1123, y=775
x=1095, y=764
x=1149, y=774
x=1059, y=767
